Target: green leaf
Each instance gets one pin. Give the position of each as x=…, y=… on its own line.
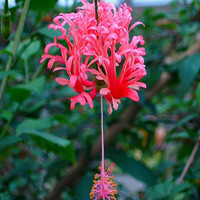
x=166, y=190
x=32, y=49
x=6, y=115
x=197, y=95
x=182, y=122
x=4, y=74
x=159, y=16
x=21, y=92
x=18, y=94
x=187, y=71
x=180, y=135
x=50, y=33
x=6, y=147
x=8, y=141
x=37, y=105
x=179, y=188
x=52, y=143
x=34, y=124
x=169, y=26
x=41, y=8
x=35, y=85
x=26, y=49
x=61, y=118
x=131, y=166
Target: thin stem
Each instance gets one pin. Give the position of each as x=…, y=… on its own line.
x=96, y=10
x=102, y=137
x=39, y=69
x=6, y=7
x=6, y=127
x=15, y=46
x=189, y=162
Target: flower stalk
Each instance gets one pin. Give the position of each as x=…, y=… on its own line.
x=96, y=10
x=102, y=138
x=104, y=187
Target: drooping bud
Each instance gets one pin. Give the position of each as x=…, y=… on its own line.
x=6, y=22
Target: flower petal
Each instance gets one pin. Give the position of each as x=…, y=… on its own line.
x=62, y=81
x=134, y=25
x=132, y=94
x=104, y=91
x=73, y=80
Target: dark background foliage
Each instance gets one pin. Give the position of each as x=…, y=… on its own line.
x=49, y=152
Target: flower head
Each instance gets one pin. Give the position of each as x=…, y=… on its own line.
x=107, y=44
x=104, y=187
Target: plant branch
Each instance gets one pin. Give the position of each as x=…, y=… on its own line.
x=15, y=47
x=189, y=162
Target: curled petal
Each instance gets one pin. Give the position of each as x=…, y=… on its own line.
x=104, y=91
x=81, y=100
x=46, y=50
x=58, y=68
x=115, y=103
x=110, y=109
x=69, y=62
x=93, y=71
x=112, y=36
x=134, y=25
x=50, y=63
x=62, y=81
x=89, y=99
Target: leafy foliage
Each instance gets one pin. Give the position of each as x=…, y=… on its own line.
x=40, y=137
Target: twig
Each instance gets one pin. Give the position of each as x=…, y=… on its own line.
x=15, y=47
x=189, y=162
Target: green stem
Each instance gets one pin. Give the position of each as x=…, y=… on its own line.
x=39, y=69
x=15, y=46
x=7, y=125
x=6, y=7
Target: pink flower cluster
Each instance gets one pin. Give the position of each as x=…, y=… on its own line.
x=118, y=60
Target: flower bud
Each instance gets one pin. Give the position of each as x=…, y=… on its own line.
x=6, y=25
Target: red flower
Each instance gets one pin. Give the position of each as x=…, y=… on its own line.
x=70, y=58
x=107, y=45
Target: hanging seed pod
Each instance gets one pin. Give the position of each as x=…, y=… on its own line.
x=6, y=25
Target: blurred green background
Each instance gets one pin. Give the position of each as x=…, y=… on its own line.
x=48, y=152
